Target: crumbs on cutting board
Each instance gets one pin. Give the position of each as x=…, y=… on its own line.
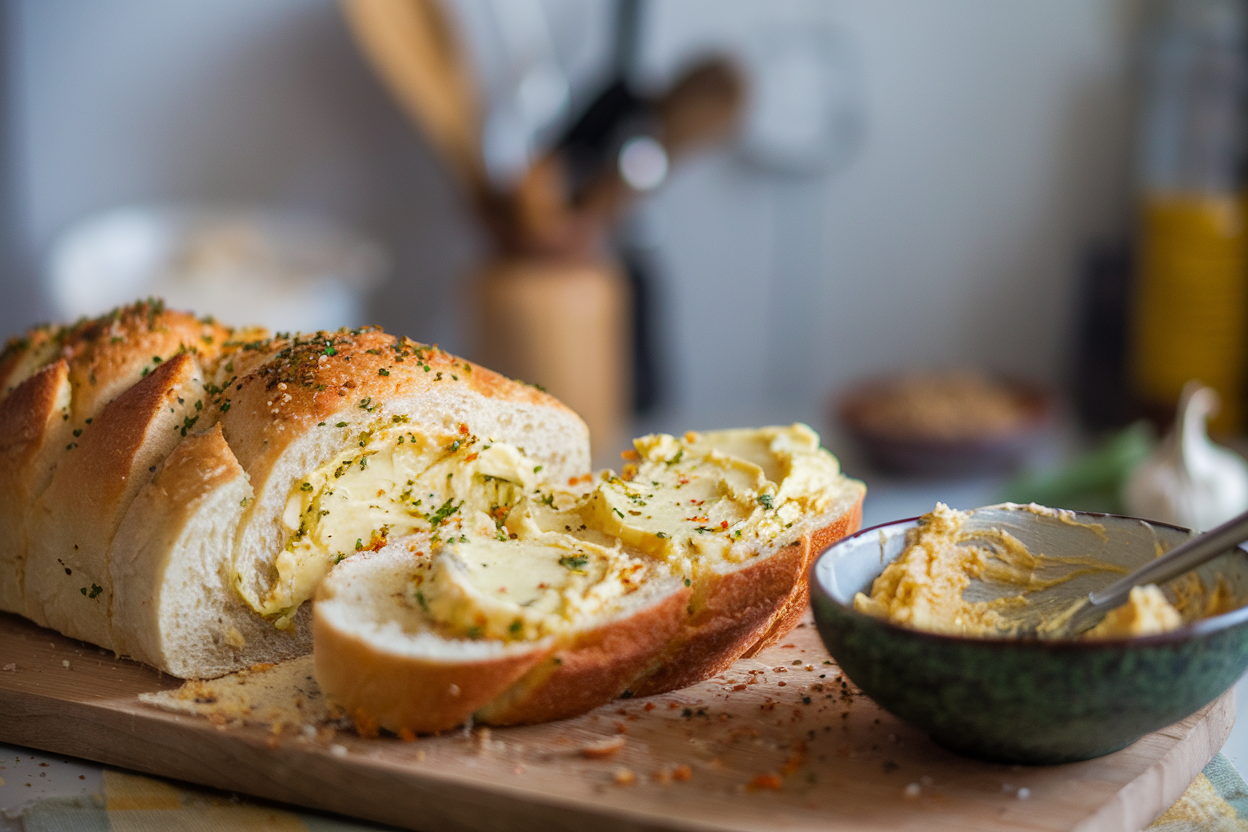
x=772, y=725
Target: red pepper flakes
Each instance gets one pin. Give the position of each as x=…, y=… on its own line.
x=365, y=724
x=766, y=781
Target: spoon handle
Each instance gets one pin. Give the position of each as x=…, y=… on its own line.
x=1172, y=564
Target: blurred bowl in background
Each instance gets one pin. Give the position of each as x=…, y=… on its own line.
x=944, y=423
x=286, y=271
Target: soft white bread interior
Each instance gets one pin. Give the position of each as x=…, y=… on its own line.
x=173, y=605
x=654, y=579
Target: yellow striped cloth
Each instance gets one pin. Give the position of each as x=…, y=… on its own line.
x=1217, y=801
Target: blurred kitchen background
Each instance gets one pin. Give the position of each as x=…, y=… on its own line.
x=931, y=230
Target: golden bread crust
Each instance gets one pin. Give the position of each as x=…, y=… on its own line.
x=30, y=421
x=322, y=376
x=789, y=615
x=396, y=691
x=596, y=667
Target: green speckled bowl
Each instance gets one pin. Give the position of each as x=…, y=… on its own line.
x=1029, y=700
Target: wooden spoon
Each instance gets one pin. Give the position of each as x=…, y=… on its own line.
x=413, y=47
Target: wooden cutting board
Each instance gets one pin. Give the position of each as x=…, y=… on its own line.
x=775, y=743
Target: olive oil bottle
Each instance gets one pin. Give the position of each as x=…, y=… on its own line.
x=1189, y=317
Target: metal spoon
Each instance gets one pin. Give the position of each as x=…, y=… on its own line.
x=1182, y=558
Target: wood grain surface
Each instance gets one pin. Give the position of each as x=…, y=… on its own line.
x=778, y=742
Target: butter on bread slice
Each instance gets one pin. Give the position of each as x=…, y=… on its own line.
x=643, y=582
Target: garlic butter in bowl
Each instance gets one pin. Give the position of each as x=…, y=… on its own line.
x=948, y=621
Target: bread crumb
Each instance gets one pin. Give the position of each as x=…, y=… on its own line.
x=912, y=791
x=603, y=748
x=65, y=663
x=11, y=667
x=624, y=777
x=365, y=724
x=453, y=690
x=338, y=750
x=1024, y=793
x=234, y=638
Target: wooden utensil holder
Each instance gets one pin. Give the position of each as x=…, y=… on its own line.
x=561, y=324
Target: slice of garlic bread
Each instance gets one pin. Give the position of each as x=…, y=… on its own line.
x=643, y=582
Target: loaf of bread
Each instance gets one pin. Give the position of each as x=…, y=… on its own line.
x=149, y=458
x=180, y=491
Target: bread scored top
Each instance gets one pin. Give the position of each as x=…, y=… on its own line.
x=691, y=556
x=96, y=410
x=88, y=409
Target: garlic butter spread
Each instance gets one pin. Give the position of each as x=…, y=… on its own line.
x=505, y=555
x=720, y=495
x=923, y=588
x=1146, y=613
x=391, y=481
x=528, y=588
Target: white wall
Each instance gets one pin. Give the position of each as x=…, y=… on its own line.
x=995, y=147
x=229, y=101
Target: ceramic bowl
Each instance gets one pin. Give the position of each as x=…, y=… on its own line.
x=1030, y=700
x=939, y=456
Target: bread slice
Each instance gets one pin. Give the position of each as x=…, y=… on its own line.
x=380, y=656
x=71, y=524
x=170, y=568
x=372, y=648
x=33, y=418
x=753, y=506
x=743, y=609
x=723, y=527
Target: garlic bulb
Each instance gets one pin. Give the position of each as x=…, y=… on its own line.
x=1189, y=481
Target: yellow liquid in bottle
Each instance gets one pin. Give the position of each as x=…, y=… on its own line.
x=1191, y=305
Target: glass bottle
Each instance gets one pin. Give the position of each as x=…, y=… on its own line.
x=1189, y=319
